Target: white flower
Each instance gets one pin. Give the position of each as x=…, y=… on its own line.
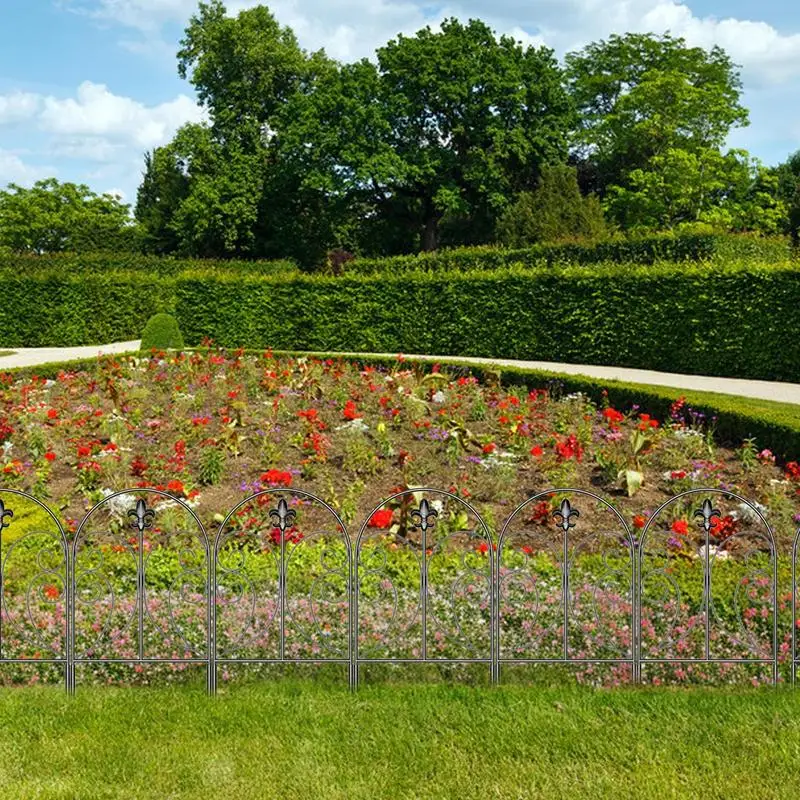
x=356, y=424
x=439, y=397
x=747, y=513
x=687, y=432
x=713, y=552
x=119, y=505
x=498, y=458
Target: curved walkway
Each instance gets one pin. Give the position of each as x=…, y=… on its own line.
x=762, y=390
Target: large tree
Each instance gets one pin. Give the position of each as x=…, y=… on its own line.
x=53, y=217
x=449, y=122
x=650, y=107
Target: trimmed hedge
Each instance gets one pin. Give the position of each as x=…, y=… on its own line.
x=102, y=263
x=161, y=333
x=39, y=310
x=738, y=321
x=647, y=250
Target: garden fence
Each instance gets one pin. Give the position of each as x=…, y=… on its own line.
x=424, y=580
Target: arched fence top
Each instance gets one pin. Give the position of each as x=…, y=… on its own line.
x=422, y=490
x=549, y=493
x=475, y=598
x=283, y=491
x=724, y=492
x=128, y=492
x=9, y=512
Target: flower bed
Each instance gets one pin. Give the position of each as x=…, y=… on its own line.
x=214, y=428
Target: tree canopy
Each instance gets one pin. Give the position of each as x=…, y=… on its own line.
x=53, y=217
x=446, y=137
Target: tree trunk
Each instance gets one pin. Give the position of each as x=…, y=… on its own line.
x=430, y=234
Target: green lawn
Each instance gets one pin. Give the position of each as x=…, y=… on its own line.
x=298, y=739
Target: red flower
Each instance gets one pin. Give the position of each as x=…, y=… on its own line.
x=681, y=527
x=571, y=448
x=84, y=450
x=489, y=448
x=138, y=467
x=537, y=451
x=541, y=512
x=276, y=477
x=350, y=410
x=723, y=527
x=381, y=519
x=51, y=592
x=612, y=416
x=50, y=455
x=793, y=470
x=483, y=548
x=176, y=487
x=639, y=521
x=52, y=414
x=310, y=414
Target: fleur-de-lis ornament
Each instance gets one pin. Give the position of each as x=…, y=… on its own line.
x=707, y=512
x=566, y=512
x=284, y=515
x=421, y=516
x=4, y=512
x=143, y=515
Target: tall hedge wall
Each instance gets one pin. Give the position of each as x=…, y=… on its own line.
x=737, y=321
x=46, y=310
x=645, y=250
x=104, y=263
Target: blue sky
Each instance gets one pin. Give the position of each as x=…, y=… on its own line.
x=87, y=86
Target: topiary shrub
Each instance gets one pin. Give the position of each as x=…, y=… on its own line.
x=162, y=333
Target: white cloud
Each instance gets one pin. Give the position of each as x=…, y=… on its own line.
x=18, y=106
x=351, y=29
x=87, y=148
x=98, y=112
x=14, y=170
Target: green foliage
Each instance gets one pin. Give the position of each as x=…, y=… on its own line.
x=64, y=265
x=72, y=309
x=706, y=246
x=162, y=333
x=53, y=217
x=654, y=115
x=555, y=210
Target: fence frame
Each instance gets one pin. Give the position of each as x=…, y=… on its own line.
x=143, y=517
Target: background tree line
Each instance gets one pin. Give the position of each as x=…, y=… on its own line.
x=450, y=138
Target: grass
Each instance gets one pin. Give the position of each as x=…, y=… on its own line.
x=298, y=739
x=7, y=353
